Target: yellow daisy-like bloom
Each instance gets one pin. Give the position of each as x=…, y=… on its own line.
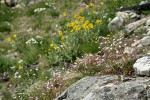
x=102, y=3
x=9, y=39
x=81, y=18
x=81, y=10
x=98, y=21
x=57, y=48
x=60, y=32
x=76, y=27
x=64, y=14
x=68, y=25
x=14, y=35
x=87, y=6
x=62, y=38
x=20, y=67
x=91, y=4
x=72, y=23
x=91, y=25
x=71, y=30
x=94, y=12
x=51, y=45
x=108, y=35
x=76, y=22
x=85, y=26
x=86, y=22
x=76, y=16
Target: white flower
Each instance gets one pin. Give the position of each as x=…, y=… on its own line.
x=20, y=61
x=31, y=41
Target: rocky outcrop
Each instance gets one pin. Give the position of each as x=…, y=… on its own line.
x=121, y=19
x=108, y=88
x=133, y=26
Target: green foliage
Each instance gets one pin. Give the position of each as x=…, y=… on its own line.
x=4, y=27
x=7, y=14
x=6, y=64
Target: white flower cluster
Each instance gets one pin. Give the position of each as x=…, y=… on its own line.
x=31, y=41
x=51, y=5
x=20, y=61
x=17, y=75
x=38, y=10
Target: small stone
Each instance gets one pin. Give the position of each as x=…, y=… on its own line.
x=142, y=66
x=129, y=50
x=145, y=41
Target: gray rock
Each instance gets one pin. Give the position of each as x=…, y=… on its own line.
x=133, y=26
x=108, y=88
x=116, y=24
x=145, y=41
x=142, y=66
x=129, y=50
x=121, y=19
x=143, y=2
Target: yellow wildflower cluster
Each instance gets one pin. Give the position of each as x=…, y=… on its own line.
x=11, y=39
x=80, y=23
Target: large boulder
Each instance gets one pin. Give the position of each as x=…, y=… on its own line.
x=108, y=88
x=142, y=66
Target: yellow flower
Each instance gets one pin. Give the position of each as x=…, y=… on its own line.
x=51, y=45
x=9, y=39
x=91, y=4
x=76, y=15
x=85, y=26
x=14, y=35
x=108, y=35
x=98, y=21
x=62, y=38
x=71, y=30
x=20, y=67
x=64, y=14
x=94, y=12
x=57, y=48
x=75, y=63
x=72, y=23
x=81, y=18
x=60, y=32
x=68, y=25
x=102, y=3
x=91, y=25
x=87, y=6
x=81, y=10
x=76, y=22
x=76, y=27
x=86, y=22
